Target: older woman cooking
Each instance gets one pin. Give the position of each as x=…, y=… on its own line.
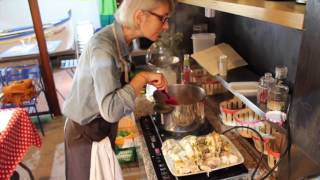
x=101, y=92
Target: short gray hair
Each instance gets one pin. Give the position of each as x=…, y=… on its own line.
x=125, y=13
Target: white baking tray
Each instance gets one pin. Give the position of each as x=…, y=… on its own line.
x=235, y=151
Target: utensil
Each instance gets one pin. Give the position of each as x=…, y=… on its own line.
x=170, y=99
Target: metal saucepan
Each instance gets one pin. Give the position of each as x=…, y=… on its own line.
x=188, y=114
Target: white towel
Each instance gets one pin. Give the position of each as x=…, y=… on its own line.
x=104, y=164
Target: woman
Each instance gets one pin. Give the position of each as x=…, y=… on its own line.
x=100, y=94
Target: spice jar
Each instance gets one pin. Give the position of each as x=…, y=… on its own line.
x=265, y=85
x=278, y=96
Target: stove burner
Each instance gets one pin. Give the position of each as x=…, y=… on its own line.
x=154, y=137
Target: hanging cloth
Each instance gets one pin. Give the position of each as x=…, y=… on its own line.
x=104, y=164
x=107, y=8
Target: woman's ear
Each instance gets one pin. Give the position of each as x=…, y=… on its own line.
x=138, y=17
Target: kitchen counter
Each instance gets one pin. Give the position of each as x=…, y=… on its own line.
x=144, y=108
x=251, y=156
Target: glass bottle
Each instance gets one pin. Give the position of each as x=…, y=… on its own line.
x=265, y=85
x=186, y=71
x=278, y=96
x=223, y=66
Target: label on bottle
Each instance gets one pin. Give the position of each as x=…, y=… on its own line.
x=186, y=76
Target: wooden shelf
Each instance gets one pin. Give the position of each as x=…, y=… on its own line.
x=285, y=13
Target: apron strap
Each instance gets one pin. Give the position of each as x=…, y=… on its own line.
x=124, y=63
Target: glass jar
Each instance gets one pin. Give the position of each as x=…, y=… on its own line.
x=278, y=96
x=265, y=85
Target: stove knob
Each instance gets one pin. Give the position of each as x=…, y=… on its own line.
x=158, y=160
x=153, y=139
x=166, y=177
x=157, y=151
x=164, y=173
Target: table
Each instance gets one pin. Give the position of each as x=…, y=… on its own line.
x=17, y=134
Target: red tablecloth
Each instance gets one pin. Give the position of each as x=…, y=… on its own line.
x=17, y=134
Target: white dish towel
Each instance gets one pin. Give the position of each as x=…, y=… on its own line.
x=104, y=164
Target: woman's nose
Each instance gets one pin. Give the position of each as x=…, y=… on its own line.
x=165, y=26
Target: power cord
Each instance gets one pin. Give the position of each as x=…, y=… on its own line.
x=288, y=144
x=261, y=157
x=282, y=155
x=261, y=138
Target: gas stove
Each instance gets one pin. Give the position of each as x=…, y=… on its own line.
x=154, y=137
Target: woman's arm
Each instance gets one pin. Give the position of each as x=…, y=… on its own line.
x=113, y=100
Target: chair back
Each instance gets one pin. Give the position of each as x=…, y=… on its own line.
x=2, y=77
x=31, y=71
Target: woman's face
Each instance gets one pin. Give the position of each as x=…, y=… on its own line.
x=155, y=21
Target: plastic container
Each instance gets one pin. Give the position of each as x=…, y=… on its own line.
x=277, y=117
x=262, y=146
x=228, y=110
x=203, y=41
x=208, y=82
x=246, y=117
x=126, y=155
x=273, y=157
x=249, y=88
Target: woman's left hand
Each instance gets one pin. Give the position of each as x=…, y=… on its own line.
x=156, y=79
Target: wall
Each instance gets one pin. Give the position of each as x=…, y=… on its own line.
x=263, y=45
x=16, y=13
x=305, y=112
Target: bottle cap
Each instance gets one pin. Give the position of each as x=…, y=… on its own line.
x=186, y=61
x=281, y=72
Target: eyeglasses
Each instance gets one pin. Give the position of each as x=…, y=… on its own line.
x=163, y=19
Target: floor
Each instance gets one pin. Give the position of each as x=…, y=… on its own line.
x=47, y=163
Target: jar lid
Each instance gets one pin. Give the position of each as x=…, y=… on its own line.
x=267, y=80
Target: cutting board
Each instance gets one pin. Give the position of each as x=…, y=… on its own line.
x=209, y=58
